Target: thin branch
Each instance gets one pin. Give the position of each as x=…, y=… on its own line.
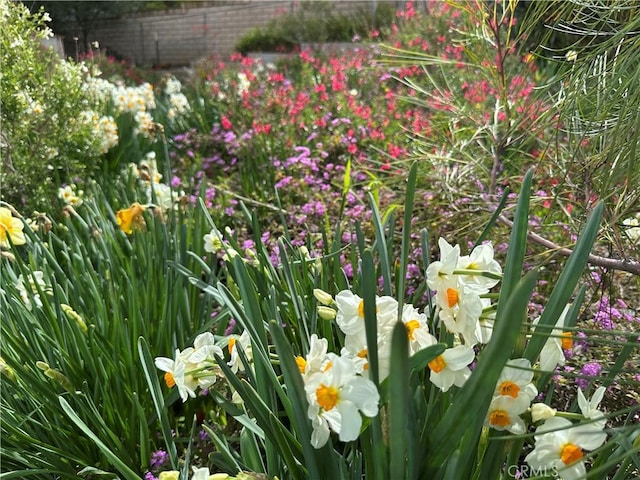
x=630, y=266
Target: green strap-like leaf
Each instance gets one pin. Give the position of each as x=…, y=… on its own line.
x=124, y=470
x=151, y=376
x=401, y=448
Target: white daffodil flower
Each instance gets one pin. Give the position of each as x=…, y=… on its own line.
x=504, y=414
x=552, y=353
x=337, y=397
x=316, y=358
x=177, y=373
x=452, y=367
x=559, y=446
x=30, y=290
x=235, y=362
x=350, y=316
x=460, y=309
x=481, y=259
x=515, y=382
x=442, y=269
x=203, y=356
x=212, y=241
x=417, y=329
x=589, y=409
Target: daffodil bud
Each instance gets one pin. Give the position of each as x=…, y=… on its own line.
x=6, y=370
x=73, y=315
x=326, y=313
x=56, y=375
x=220, y=476
x=541, y=411
x=169, y=475
x=322, y=296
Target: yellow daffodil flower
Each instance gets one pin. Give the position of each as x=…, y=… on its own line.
x=10, y=228
x=131, y=217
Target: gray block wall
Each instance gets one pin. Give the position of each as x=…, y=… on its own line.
x=182, y=36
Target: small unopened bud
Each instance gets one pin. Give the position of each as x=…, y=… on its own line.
x=322, y=296
x=326, y=313
x=169, y=475
x=56, y=375
x=541, y=411
x=219, y=476
x=73, y=315
x=6, y=370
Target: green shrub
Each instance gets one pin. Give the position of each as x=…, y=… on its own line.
x=48, y=129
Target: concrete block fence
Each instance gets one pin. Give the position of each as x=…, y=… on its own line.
x=179, y=37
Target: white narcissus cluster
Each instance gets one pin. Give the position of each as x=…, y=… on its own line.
x=337, y=394
x=459, y=282
x=560, y=444
x=513, y=395
x=193, y=367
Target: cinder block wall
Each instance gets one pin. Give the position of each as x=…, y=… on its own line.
x=181, y=36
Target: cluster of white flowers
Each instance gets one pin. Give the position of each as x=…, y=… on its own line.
x=513, y=395
x=104, y=128
x=138, y=101
x=192, y=367
x=177, y=100
x=337, y=393
x=214, y=243
x=197, y=367
x=133, y=99
x=243, y=84
x=70, y=195
x=350, y=319
x=460, y=283
x=560, y=444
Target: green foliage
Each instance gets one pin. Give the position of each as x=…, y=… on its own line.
x=315, y=22
x=74, y=335
x=598, y=84
x=47, y=134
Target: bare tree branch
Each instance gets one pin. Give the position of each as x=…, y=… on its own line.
x=630, y=266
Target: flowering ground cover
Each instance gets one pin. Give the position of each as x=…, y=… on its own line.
x=321, y=268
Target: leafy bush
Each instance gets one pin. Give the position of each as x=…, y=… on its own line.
x=49, y=133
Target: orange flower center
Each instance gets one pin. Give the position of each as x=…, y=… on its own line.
x=567, y=340
x=411, y=327
x=327, y=366
x=452, y=297
x=327, y=397
x=169, y=380
x=302, y=364
x=437, y=364
x=570, y=453
x=509, y=388
x=361, y=309
x=499, y=418
x=232, y=343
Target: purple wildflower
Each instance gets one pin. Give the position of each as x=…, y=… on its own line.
x=158, y=459
x=588, y=370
